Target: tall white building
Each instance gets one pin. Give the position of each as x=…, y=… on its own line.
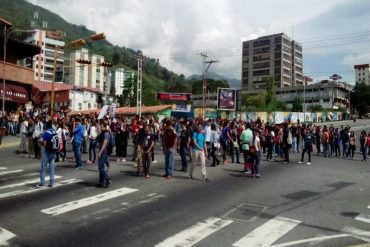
x=84, y=75
x=96, y=72
x=77, y=73
x=43, y=63
x=119, y=77
x=362, y=73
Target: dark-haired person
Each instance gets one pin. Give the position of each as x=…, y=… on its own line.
x=147, y=145
x=169, y=139
x=49, y=156
x=104, y=139
x=78, y=135
x=200, y=152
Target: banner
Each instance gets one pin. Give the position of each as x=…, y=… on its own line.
x=103, y=112
x=183, y=108
x=174, y=96
x=112, y=112
x=226, y=99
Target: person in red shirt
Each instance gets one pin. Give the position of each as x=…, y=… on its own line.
x=169, y=139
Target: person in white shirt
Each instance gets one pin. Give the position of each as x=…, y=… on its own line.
x=24, y=139
x=92, y=143
x=208, y=131
x=36, y=137
x=62, y=133
x=255, y=156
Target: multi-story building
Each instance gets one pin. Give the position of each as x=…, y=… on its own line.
x=119, y=77
x=96, y=73
x=43, y=63
x=362, y=73
x=274, y=56
x=84, y=75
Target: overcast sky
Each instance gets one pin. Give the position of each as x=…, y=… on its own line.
x=335, y=33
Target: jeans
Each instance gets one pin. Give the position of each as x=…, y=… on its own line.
x=364, y=154
x=103, y=176
x=307, y=149
x=255, y=161
x=184, y=164
x=294, y=144
x=246, y=159
x=147, y=161
x=48, y=159
x=326, y=149
x=92, y=150
x=345, y=149
x=169, y=162
x=77, y=151
x=214, y=157
x=270, y=147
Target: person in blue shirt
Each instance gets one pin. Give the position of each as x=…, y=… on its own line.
x=51, y=148
x=200, y=152
x=78, y=135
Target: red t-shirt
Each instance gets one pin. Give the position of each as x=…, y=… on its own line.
x=169, y=138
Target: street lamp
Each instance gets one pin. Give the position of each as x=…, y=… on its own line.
x=68, y=47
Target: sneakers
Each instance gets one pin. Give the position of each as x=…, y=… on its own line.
x=258, y=176
x=300, y=162
x=88, y=162
x=39, y=186
x=308, y=163
x=123, y=160
x=154, y=162
x=50, y=185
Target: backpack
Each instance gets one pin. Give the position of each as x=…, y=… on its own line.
x=52, y=145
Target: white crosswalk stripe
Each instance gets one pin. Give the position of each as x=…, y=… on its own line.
x=5, y=236
x=25, y=182
x=70, y=206
x=10, y=172
x=363, y=217
x=268, y=233
x=195, y=233
x=3, y=168
x=33, y=190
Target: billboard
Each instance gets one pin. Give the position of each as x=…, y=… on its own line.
x=226, y=99
x=174, y=96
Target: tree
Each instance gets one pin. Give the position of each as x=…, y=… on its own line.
x=360, y=98
x=297, y=105
x=128, y=97
x=116, y=58
x=270, y=89
x=316, y=108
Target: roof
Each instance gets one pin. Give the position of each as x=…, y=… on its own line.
x=128, y=110
x=45, y=86
x=5, y=22
x=360, y=66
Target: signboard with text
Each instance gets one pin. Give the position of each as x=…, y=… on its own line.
x=174, y=96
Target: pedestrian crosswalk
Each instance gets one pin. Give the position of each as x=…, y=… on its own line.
x=5, y=236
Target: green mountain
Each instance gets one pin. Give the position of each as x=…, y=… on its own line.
x=156, y=78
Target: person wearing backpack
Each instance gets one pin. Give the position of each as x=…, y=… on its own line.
x=51, y=144
x=104, y=140
x=200, y=152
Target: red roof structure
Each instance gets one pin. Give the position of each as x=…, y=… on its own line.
x=127, y=111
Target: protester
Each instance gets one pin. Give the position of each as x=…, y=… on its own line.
x=200, y=152
x=104, y=139
x=147, y=145
x=169, y=139
x=78, y=135
x=215, y=145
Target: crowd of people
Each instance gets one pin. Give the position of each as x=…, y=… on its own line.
x=195, y=140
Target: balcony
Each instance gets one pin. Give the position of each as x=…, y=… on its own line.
x=16, y=73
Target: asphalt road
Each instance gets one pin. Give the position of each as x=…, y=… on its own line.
x=325, y=204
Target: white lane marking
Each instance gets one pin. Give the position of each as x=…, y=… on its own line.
x=8, y=172
x=23, y=192
x=5, y=236
x=25, y=182
x=276, y=228
x=363, y=218
x=357, y=233
x=308, y=240
x=3, y=168
x=195, y=233
x=20, y=176
x=70, y=206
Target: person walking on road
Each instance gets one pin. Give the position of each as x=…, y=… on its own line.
x=182, y=146
x=51, y=143
x=78, y=135
x=363, y=144
x=200, y=152
x=104, y=139
x=147, y=146
x=169, y=138
x=309, y=139
x=215, y=145
x=247, y=140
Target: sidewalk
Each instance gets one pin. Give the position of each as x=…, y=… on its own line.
x=10, y=141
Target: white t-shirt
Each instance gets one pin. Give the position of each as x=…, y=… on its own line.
x=256, y=142
x=208, y=132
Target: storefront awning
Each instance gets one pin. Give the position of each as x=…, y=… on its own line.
x=14, y=93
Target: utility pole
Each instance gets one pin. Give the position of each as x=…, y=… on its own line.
x=139, y=84
x=204, y=87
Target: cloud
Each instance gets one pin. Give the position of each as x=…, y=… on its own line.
x=177, y=31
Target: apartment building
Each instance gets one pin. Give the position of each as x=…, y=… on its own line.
x=89, y=75
x=362, y=73
x=274, y=56
x=43, y=63
x=119, y=77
